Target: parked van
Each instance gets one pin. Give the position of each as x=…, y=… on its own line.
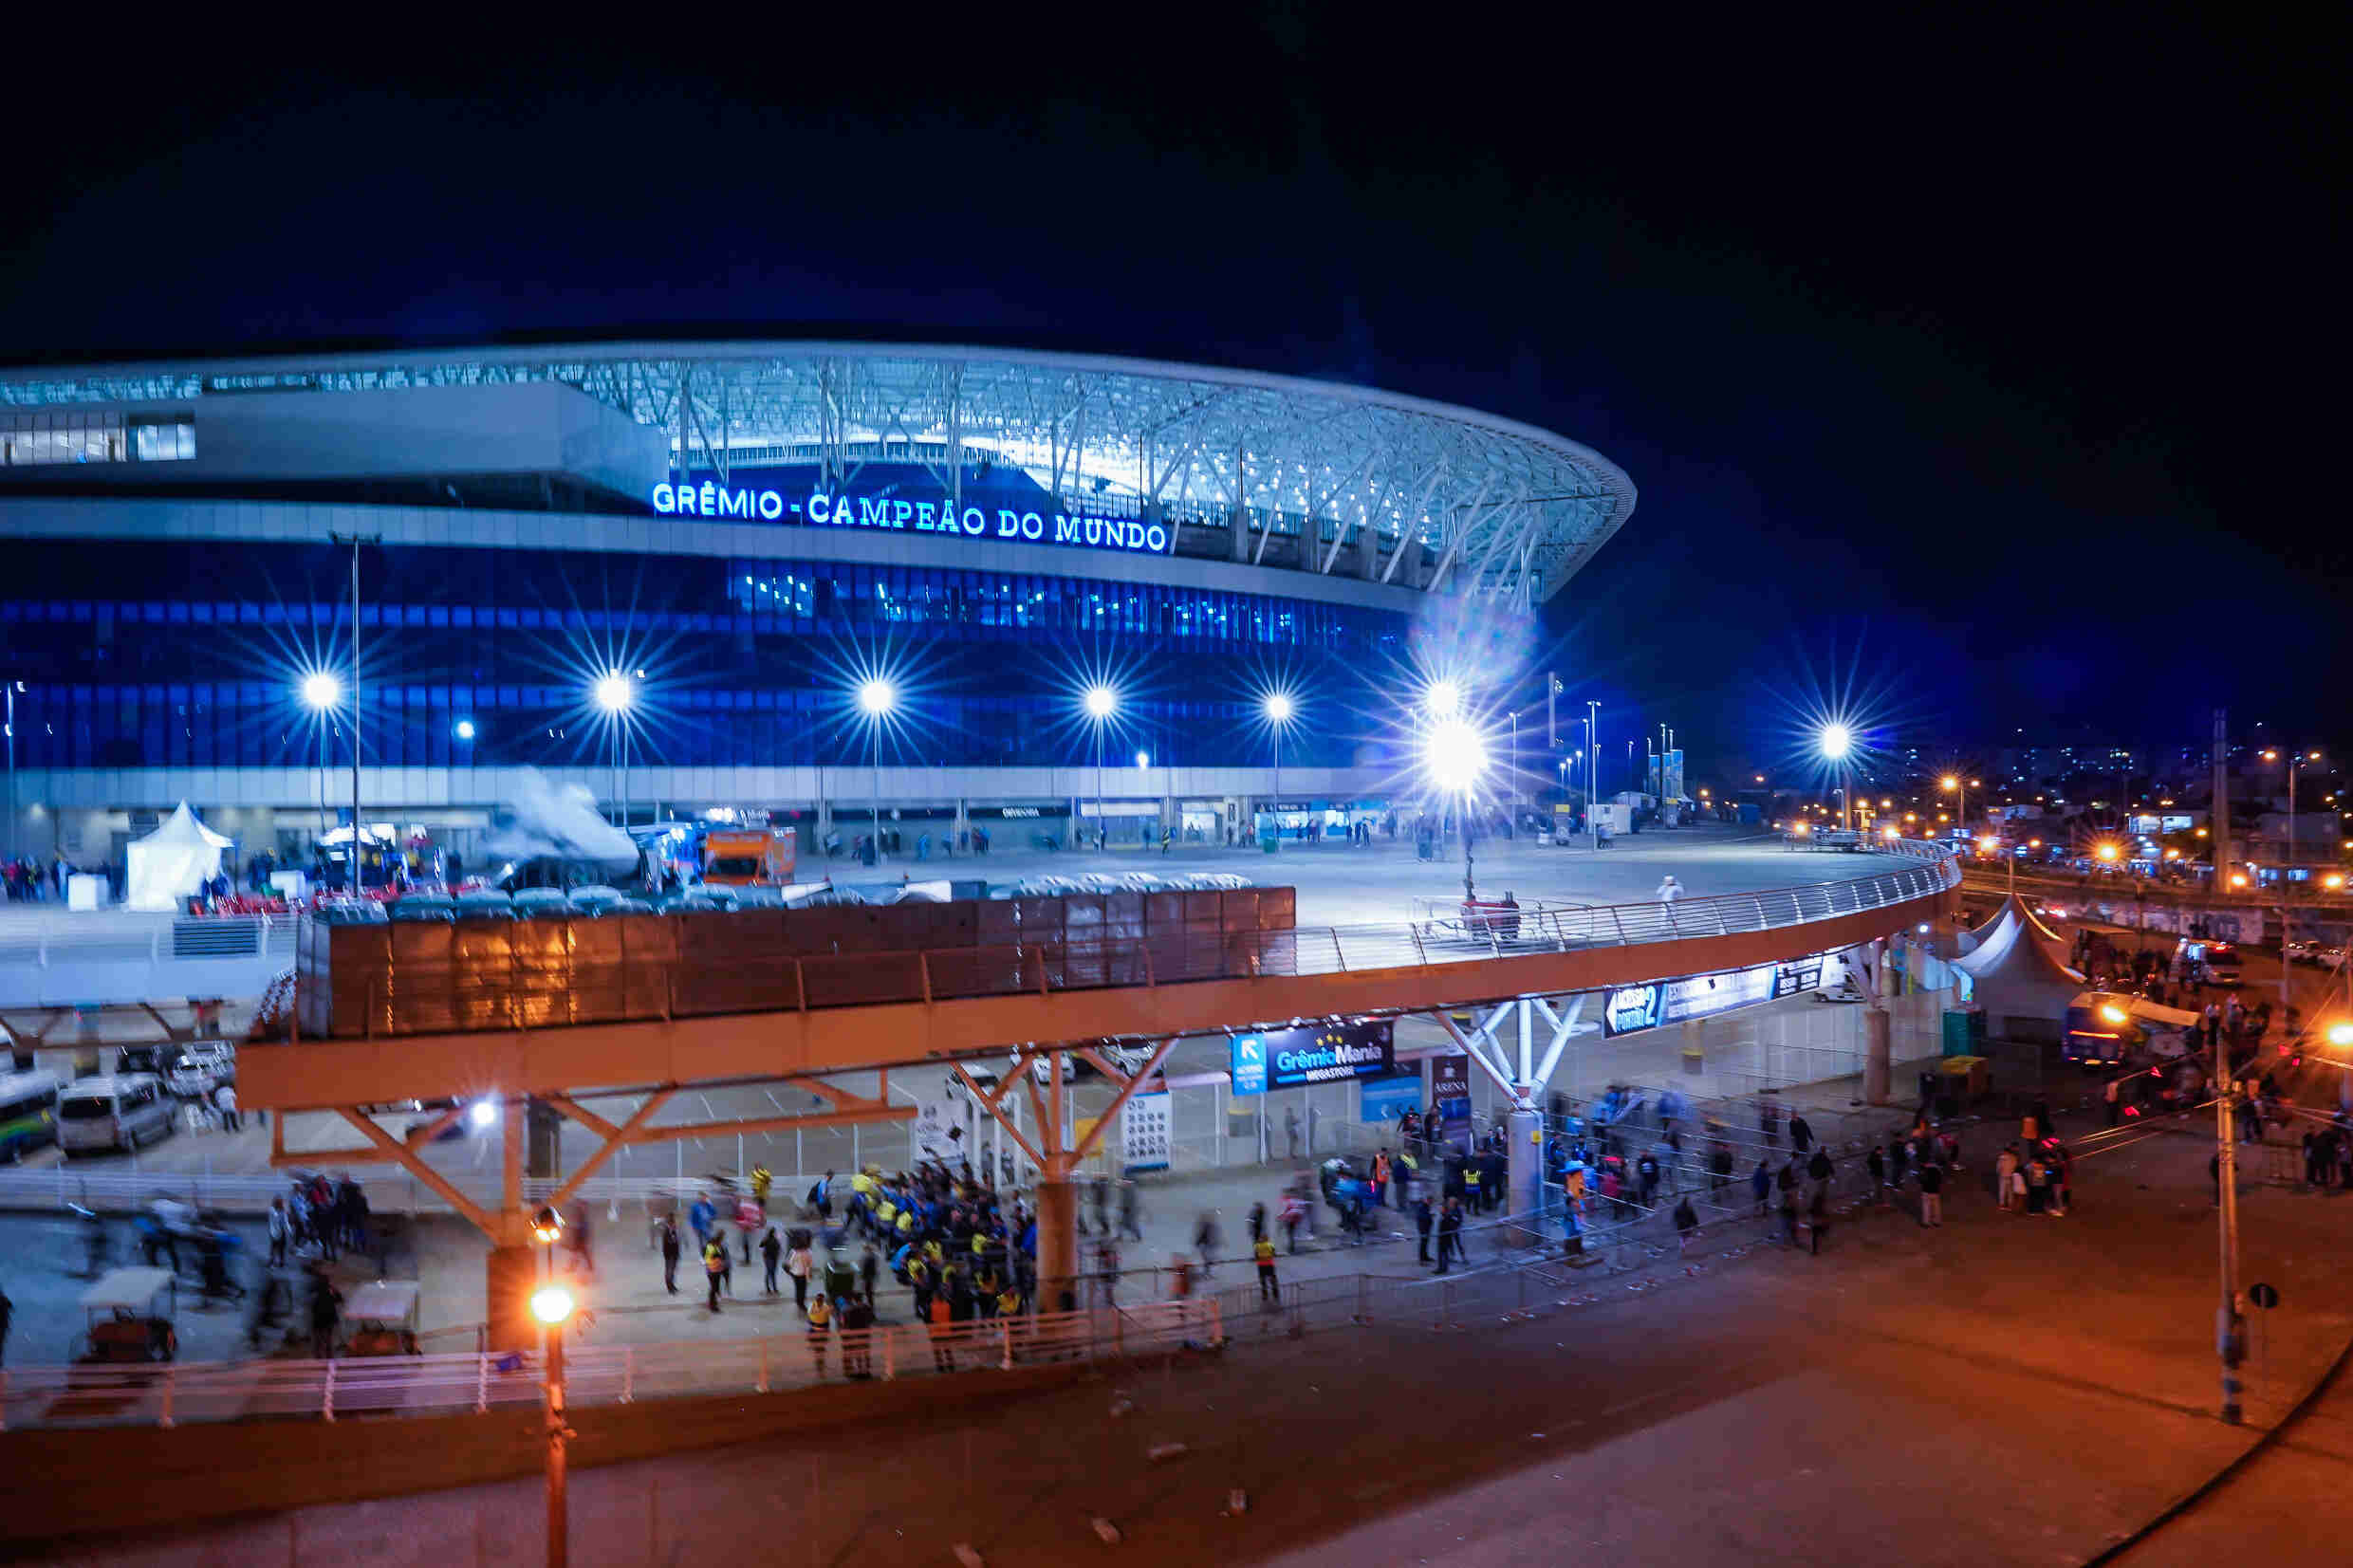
x=28, y=1113
x=113, y=1112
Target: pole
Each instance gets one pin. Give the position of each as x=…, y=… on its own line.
x=559, y=1544
x=2221, y=804
x=357, y=881
x=1593, y=769
x=1277, y=801
x=2228, y=1327
x=878, y=790
x=1099, y=789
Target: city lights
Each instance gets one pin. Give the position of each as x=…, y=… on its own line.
x=320, y=691
x=1836, y=741
x=1144, y=760
x=1443, y=699
x=465, y=729
x=1278, y=708
x=552, y=1304
x=1102, y=701
x=876, y=697
x=482, y=1111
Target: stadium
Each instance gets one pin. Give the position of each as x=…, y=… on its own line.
x=952, y=585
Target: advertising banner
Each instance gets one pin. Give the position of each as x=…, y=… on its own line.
x=1384, y=1099
x=1144, y=1132
x=1631, y=1009
x=1323, y=1053
x=1450, y=1096
x=938, y=1130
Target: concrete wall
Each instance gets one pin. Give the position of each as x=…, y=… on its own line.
x=147, y=1477
x=95, y=801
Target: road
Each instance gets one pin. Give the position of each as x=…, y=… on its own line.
x=2000, y=1391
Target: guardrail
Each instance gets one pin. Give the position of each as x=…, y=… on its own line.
x=117, y=956
x=171, y=1395
x=667, y=987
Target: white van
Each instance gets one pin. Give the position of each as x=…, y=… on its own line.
x=121, y=1111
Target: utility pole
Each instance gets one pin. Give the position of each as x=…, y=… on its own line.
x=13, y=688
x=2230, y=1326
x=355, y=541
x=1593, y=764
x=2221, y=803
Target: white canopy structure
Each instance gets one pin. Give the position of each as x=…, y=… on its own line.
x=171, y=862
x=2018, y=978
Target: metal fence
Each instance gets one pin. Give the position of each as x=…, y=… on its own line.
x=665, y=986
x=174, y=1393
x=63, y=960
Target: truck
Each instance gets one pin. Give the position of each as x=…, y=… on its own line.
x=748, y=857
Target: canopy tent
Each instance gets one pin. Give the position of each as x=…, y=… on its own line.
x=2016, y=910
x=2016, y=977
x=171, y=862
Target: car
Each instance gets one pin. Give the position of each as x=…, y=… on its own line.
x=191, y=1077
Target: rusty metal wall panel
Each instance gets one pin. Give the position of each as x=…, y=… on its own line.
x=1278, y=909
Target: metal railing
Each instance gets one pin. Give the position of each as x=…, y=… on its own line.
x=171, y=1393
x=117, y=956
x=666, y=987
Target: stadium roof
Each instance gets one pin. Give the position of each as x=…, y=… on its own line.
x=1509, y=510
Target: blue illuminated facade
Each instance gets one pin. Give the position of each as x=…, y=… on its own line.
x=178, y=655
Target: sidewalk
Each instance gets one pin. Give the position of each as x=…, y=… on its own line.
x=2002, y=1390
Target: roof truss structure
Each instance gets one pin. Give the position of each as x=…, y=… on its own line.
x=1502, y=510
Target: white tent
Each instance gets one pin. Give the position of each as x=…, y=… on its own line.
x=2017, y=910
x=171, y=862
x=2017, y=977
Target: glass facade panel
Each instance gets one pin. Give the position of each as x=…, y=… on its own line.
x=749, y=663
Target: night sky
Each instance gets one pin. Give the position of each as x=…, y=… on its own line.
x=1979, y=368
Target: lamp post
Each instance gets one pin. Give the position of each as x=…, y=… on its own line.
x=1102, y=701
x=14, y=686
x=552, y=1305
x=877, y=698
x=1278, y=708
x=320, y=691
x=1593, y=770
x=1456, y=757
x=1837, y=741
x=615, y=693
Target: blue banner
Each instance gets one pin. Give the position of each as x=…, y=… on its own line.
x=1385, y=1099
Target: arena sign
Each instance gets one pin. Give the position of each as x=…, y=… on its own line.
x=708, y=499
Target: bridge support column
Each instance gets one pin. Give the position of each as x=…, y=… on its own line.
x=1524, y=1178
x=1058, y=1236
x=1879, y=1031
x=1056, y=1157
x=509, y=1274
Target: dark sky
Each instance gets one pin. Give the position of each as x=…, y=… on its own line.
x=1982, y=366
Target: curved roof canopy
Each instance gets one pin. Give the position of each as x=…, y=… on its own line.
x=1507, y=511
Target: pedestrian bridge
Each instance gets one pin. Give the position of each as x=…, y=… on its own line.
x=865, y=1011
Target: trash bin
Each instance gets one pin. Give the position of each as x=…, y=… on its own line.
x=1964, y=1032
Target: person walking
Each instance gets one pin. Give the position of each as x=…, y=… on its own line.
x=670, y=1251
x=1932, y=1193
x=1801, y=1133
x=1686, y=1224
x=1291, y=1128
x=281, y=1229
x=798, y=1261
x=2009, y=1189
x=1760, y=1186
x=1788, y=1218
x=1450, y=1234
x=772, y=1253
x=820, y=1324
x=1422, y=1218
x=1876, y=1163
x=1268, y=1291
x=225, y=1101
x=714, y=1268
x=1669, y=891
x=1820, y=1172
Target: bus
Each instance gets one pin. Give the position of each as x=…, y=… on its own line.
x=28, y=1113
